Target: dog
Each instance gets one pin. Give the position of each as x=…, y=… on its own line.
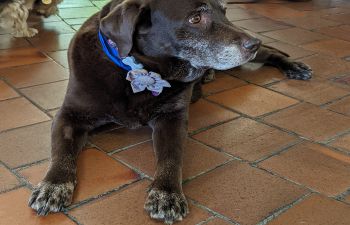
x=136, y=63
x=14, y=14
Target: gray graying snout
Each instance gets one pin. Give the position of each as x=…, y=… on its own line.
x=251, y=44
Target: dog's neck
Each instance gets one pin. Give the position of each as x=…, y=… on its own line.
x=171, y=68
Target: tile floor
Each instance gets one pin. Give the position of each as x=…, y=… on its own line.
x=261, y=149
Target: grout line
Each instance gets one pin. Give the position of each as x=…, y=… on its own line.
x=283, y=209
x=28, y=99
x=29, y=125
x=278, y=152
x=206, y=220
x=38, y=85
x=102, y=195
x=285, y=178
x=72, y=218
x=192, y=133
x=216, y=214
x=136, y=170
x=207, y=172
x=20, y=178
x=127, y=147
x=28, y=165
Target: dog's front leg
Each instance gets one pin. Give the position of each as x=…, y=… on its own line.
x=166, y=200
x=56, y=190
x=291, y=68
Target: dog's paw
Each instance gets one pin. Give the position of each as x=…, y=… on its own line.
x=30, y=32
x=48, y=197
x=169, y=207
x=298, y=71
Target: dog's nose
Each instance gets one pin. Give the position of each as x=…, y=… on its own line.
x=252, y=44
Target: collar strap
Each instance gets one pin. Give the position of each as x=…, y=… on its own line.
x=140, y=79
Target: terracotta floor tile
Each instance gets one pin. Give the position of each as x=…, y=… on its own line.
x=332, y=47
x=77, y=12
x=295, y=36
x=341, y=17
x=7, y=179
x=197, y=158
x=245, y=194
x=347, y=199
x=75, y=3
x=252, y=100
x=21, y=56
x=326, y=66
x=120, y=138
x=240, y=14
x=246, y=138
x=222, y=82
x=34, y=174
x=275, y=11
x=257, y=74
x=313, y=165
x=217, y=221
x=60, y=57
x=310, y=22
x=203, y=114
x=99, y=4
x=76, y=21
x=26, y=145
x=262, y=38
x=48, y=96
x=342, y=143
x=76, y=27
x=331, y=11
x=40, y=73
x=309, y=6
x=294, y=52
x=6, y=92
x=53, y=28
x=125, y=208
x=34, y=19
x=14, y=211
x=341, y=106
x=19, y=112
x=315, y=210
x=56, y=43
x=261, y=25
x=97, y=173
x=8, y=41
x=343, y=80
x=340, y=32
x=314, y=91
x=310, y=121
x=53, y=112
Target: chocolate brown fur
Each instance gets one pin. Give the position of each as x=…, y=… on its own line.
x=155, y=32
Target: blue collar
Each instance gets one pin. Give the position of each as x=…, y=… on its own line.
x=111, y=50
x=140, y=79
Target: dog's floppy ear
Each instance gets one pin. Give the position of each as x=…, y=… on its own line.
x=119, y=24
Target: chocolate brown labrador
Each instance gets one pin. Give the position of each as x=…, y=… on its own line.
x=179, y=39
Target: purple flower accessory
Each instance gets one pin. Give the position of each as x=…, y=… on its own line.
x=142, y=79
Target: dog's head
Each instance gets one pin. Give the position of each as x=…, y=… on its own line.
x=196, y=31
x=46, y=7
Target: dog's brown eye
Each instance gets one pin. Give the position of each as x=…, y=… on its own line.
x=195, y=19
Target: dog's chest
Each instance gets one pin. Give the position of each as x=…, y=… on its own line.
x=138, y=110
